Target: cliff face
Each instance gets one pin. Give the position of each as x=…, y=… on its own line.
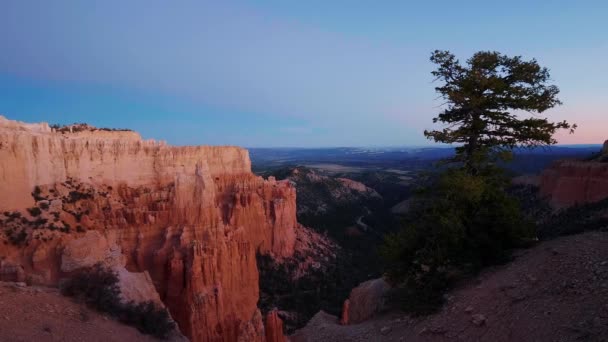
x=569, y=182
x=191, y=217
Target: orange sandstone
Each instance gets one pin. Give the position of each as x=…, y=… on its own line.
x=187, y=219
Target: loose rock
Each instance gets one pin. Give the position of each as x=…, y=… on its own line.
x=385, y=330
x=478, y=319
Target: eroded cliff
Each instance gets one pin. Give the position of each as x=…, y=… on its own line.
x=569, y=182
x=193, y=218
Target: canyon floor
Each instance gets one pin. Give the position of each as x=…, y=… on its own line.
x=555, y=291
x=42, y=314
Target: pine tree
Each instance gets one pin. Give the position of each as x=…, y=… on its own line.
x=483, y=98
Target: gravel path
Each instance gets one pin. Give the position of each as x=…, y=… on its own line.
x=42, y=314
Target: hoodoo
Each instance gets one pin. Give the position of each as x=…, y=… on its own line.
x=191, y=219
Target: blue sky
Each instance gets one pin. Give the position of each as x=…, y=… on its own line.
x=283, y=73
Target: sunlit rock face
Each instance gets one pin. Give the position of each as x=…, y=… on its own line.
x=570, y=182
x=191, y=217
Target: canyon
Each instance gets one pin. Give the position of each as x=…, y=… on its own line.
x=192, y=229
x=181, y=224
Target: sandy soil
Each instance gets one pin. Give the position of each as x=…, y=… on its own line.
x=42, y=314
x=556, y=291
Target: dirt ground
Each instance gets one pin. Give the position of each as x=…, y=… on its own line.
x=42, y=314
x=556, y=291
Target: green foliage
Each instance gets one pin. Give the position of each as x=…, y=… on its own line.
x=98, y=288
x=319, y=289
x=148, y=318
x=466, y=219
x=481, y=98
x=327, y=206
x=75, y=196
x=36, y=194
x=17, y=238
x=459, y=224
x=81, y=126
x=575, y=219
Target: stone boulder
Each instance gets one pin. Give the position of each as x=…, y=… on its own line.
x=93, y=248
x=96, y=248
x=366, y=300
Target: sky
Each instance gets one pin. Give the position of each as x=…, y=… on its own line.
x=282, y=73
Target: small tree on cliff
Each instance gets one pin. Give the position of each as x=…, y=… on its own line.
x=465, y=219
x=481, y=97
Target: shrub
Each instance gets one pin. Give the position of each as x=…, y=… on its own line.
x=457, y=226
x=77, y=195
x=148, y=318
x=66, y=229
x=36, y=193
x=18, y=238
x=98, y=288
x=44, y=206
x=77, y=216
x=34, y=211
x=40, y=222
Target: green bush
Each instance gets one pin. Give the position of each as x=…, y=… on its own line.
x=148, y=318
x=458, y=225
x=17, y=238
x=75, y=196
x=98, y=288
x=36, y=194
x=34, y=211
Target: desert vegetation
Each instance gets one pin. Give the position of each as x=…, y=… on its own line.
x=82, y=127
x=464, y=218
x=98, y=288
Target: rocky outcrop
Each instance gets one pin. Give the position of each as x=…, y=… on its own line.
x=95, y=248
x=569, y=182
x=274, y=327
x=344, y=320
x=189, y=218
x=365, y=301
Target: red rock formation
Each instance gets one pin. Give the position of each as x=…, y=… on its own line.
x=568, y=182
x=274, y=327
x=192, y=217
x=366, y=300
x=345, y=308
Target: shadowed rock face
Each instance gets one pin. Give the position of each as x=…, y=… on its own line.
x=192, y=217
